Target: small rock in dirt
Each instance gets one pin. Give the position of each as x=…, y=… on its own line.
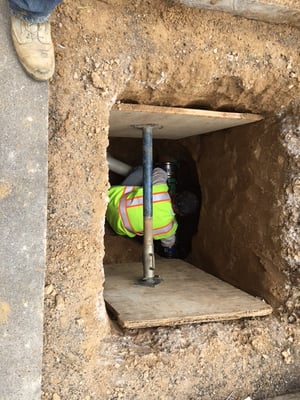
x=292, y=319
x=49, y=289
x=55, y=397
x=79, y=321
x=287, y=357
x=59, y=302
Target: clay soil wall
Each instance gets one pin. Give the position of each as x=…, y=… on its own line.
x=242, y=175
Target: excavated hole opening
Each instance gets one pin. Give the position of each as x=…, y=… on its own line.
x=236, y=237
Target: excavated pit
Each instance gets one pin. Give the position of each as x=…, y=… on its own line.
x=167, y=55
x=242, y=179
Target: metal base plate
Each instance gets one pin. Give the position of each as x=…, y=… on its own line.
x=150, y=282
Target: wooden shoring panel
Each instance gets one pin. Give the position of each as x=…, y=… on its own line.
x=186, y=295
x=176, y=123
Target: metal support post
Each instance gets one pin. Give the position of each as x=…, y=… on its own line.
x=148, y=253
x=149, y=277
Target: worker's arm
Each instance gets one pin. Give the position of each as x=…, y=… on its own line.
x=168, y=242
x=159, y=176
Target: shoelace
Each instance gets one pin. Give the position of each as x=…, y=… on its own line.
x=34, y=31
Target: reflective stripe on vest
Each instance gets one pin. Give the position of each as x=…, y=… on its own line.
x=125, y=203
x=123, y=210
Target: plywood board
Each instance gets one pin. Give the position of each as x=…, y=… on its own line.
x=186, y=295
x=176, y=123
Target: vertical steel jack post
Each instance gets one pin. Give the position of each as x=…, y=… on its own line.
x=149, y=277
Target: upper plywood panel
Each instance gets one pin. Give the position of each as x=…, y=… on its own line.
x=176, y=123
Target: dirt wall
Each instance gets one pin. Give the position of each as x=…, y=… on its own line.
x=250, y=179
x=242, y=175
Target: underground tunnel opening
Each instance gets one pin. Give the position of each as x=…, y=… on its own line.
x=182, y=176
x=123, y=254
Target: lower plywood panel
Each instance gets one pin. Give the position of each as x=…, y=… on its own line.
x=186, y=295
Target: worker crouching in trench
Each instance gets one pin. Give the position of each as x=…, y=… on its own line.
x=125, y=208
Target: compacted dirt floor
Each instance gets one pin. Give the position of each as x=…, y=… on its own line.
x=150, y=52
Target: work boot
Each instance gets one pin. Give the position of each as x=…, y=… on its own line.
x=34, y=47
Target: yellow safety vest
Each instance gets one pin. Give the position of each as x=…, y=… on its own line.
x=125, y=211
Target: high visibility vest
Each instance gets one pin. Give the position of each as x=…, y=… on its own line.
x=125, y=211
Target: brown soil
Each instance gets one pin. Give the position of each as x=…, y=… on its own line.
x=158, y=53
